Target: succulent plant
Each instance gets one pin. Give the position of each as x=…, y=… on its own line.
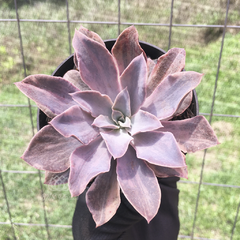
x=111, y=122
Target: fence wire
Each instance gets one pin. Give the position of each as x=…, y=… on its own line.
x=210, y=121
x=119, y=23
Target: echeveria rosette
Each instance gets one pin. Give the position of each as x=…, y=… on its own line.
x=117, y=131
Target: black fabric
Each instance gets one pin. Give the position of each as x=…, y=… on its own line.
x=127, y=224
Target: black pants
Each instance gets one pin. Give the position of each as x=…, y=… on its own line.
x=127, y=224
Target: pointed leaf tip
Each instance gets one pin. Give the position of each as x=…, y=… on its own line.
x=158, y=148
x=50, y=93
x=86, y=162
x=193, y=134
x=117, y=141
x=126, y=48
x=171, y=62
x=96, y=65
x=134, y=78
x=91, y=35
x=139, y=184
x=165, y=99
x=122, y=103
x=103, y=197
x=50, y=151
x=76, y=122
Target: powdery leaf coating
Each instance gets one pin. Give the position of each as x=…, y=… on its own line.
x=144, y=122
x=103, y=197
x=117, y=141
x=94, y=36
x=116, y=122
x=117, y=115
x=94, y=102
x=74, y=78
x=126, y=124
x=150, y=65
x=171, y=62
x=87, y=162
x=164, y=172
x=76, y=122
x=192, y=134
x=91, y=35
x=184, y=104
x=134, y=79
x=166, y=98
x=139, y=184
x=158, y=148
x=50, y=151
x=104, y=122
x=96, y=65
x=126, y=48
x=51, y=100
x=122, y=103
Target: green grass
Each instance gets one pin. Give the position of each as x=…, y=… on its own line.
x=46, y=46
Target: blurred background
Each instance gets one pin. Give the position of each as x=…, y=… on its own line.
x=35, y=37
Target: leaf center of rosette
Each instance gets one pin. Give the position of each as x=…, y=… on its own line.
x=124, y=122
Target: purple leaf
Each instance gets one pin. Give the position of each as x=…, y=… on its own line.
x=117, y=141
x=164, y=172
x=104, y=122
x=126, y=123
x=117, y=116
x=144, y=122
x=139, y=184
x=122, y=103
x=164, y=101
x=158, y=149
x=73, y=76
x=50, y=151
x=56, y=178
x=126, y=48
x=87, y=162
x=120, y=119
x=91, y=35
x=103, y=197
x=184, y=104
x=94, y=102
x=171, y=62
x=192, y=134
x=76, y=122
x=96, y=65
x=150, y=66
x=51, y=94
x=134, y=78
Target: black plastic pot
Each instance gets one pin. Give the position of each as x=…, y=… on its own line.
x=151, y=51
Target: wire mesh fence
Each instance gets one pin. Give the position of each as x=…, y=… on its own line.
x=36, y=38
